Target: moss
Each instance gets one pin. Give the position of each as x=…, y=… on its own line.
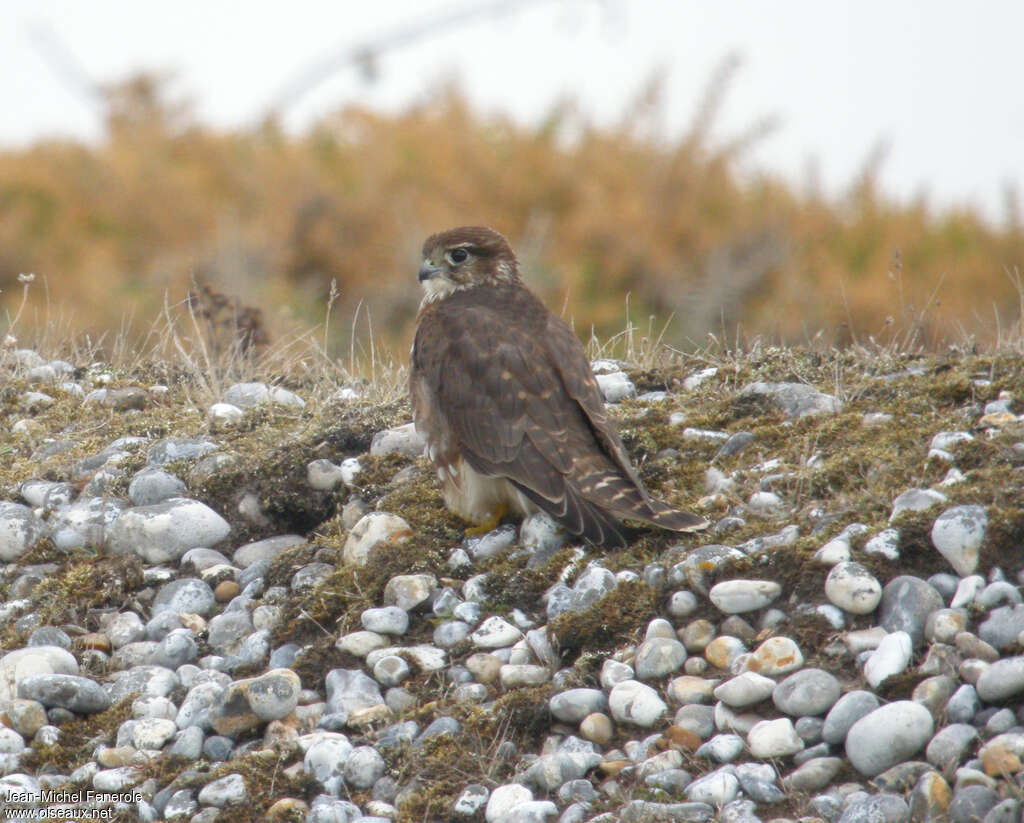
x=85, y=581
x=78, y=740
x=611, y=621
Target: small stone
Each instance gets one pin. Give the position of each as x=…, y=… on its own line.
x=890, y=658
x=971, y=803
x=739, y=596
x=807, y=692
x=947, y=749
x=722, y=748
x=716, y=789
x=496, y=633
x=885, y=543
x=774, y=738
x=399, y=440
x=745, y=689
x=634, y=702
x=410, y=591
x=20, y=530
x=386, y=620
x=906, y=603
x=165, y=531
x=573, y=705
x=374, y=532
x=723, y=651
x=775, y=656
x=598, y=728
x=915, y=500
x=226, y=591
x=66, y=691
x=958, y=534
x=1001, y=680
x=504, y=799
x=364, y=767
x=852, y=588
x=888, y=735
x=813, y=775
x=658, y=657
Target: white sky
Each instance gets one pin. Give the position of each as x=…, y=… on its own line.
x=938, y=81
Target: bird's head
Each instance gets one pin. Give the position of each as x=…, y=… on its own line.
x=465, y=257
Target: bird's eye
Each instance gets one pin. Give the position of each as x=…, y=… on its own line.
x=458, y=255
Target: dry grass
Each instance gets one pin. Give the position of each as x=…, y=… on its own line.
x=336, y=217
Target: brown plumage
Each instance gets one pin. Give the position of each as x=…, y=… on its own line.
x=504, y=395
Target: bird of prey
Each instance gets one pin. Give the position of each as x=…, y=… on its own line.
x=505, y=398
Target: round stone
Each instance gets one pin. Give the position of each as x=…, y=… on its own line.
x=947, y=749
x=658, y=657
x=806, y=692
x=573, y=705
x=739, y=596
x=496, y=633
x=225, y=791
x=813, y=775
x=66, y=691
x=722, y=651
x=364, y=767
x=504, y=799
x=163, y=532
x=777, y=655
x=374, y=532
x=890, y=658
x=1002, y=680
x=716, y=789
x=887, y=736
x=597, y=728
x=906, y=603
x=958, y=534
x=745, y=689
x=971, y=803
x=852, y=588
x=722, y=748
x=386, y=620
x=634, y=702
x=774, y=738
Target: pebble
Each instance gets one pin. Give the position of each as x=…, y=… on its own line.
x=745, y=689
x=774, y=738
x=852, y=588
x=1001, y=680
x=163, y=532
x=958, y=534
x=915, y=500
x=66, y=691
x=775, y=656
x=806, y=692
x=890, y=658
x=373, y=533
x=658, y=657
x=739, y=596
x=905, y=605
x=634, y=702
x=887, y=736
x=229, y=790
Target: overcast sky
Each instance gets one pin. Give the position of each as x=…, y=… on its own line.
x=937, y=81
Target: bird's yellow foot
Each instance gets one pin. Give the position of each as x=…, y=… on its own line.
x=490, y=524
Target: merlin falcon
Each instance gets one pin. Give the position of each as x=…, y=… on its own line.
x=505, y=398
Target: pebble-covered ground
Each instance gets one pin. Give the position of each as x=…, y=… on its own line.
x=254, y=606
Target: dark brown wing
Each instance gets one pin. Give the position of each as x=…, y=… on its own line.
x=519, y=398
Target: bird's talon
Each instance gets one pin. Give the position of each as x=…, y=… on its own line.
x=490, y=524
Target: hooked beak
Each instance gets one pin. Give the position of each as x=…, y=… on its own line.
x=428, y=271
